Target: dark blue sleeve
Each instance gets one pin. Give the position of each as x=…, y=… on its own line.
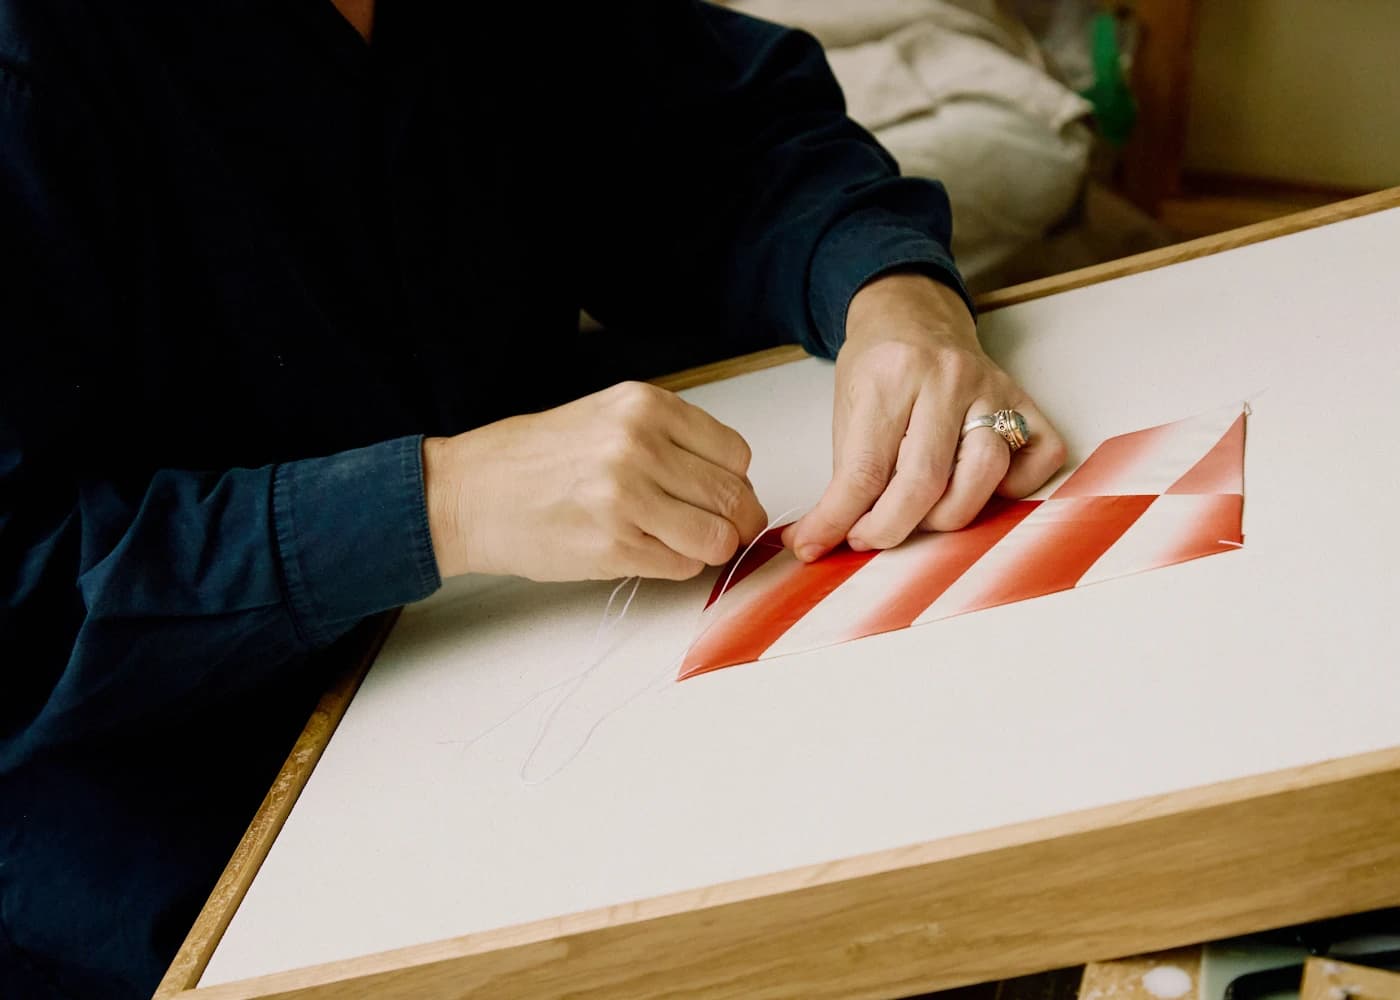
x=738, y=200
x=125, y=591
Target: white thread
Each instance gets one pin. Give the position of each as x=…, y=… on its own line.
x=602, y=629
x=578, y=679
x=749, y=548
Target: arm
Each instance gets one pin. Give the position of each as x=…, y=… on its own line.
x=767, y=216
x=127, y=589
x=737, y=200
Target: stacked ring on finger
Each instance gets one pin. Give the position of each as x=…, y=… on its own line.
x=1009, y=425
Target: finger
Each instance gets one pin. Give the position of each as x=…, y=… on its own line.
x=1041, y=457
x=702, y=435
x=688, y=530
x=982, y=460
x=651, y=558
x=920, y=477
x=692, y=480
x=865, y=461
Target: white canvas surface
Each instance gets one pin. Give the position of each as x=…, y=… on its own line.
x=1283, y=653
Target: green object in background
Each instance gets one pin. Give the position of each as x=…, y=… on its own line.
x=1114, y=107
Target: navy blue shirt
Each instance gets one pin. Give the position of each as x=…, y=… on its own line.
x=249, y=261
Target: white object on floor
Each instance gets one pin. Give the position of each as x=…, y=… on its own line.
x=957, y=93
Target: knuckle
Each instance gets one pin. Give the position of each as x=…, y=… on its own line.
x=755, y=524
x=959, y=366
x=884, y=367
x=729, y=497
x=624, y=445
x=631, y=391
x=923, y=486
x=823, y=526
x=609, y=493
x=720, y=541
x=866, y=473
x=895, y=357
x=638, y=399
x=741, y=452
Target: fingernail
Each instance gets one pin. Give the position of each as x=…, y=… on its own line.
x=809, y=552
x=857, y=545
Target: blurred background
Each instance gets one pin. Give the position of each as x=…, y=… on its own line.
x=1070, y=132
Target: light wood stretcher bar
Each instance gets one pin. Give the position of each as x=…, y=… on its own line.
x=1163, y=872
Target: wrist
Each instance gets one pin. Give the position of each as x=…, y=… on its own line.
x=442, y=494
x=908, y=301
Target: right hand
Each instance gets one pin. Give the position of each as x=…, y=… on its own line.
x=630, y=481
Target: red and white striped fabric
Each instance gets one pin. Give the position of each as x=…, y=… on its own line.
x=1140, y=501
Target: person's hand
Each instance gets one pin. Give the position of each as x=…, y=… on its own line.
x=630, y=481
x=909, y=376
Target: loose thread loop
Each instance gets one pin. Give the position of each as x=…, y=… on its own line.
x=597, y=656
x=603, y=629
x=574, y=683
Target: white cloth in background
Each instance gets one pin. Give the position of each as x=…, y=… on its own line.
x=956, y=92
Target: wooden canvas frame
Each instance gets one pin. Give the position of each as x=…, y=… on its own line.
x=1239, y=856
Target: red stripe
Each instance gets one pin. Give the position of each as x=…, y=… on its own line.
x=743, y=635
x=1102, y=473
x=1217, y=526
x=1222, y=468
x=769, y=544
x=949, y=556
x=1056, y=551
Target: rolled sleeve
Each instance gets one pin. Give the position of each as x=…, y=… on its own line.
x=352, y=534
x=863, y=246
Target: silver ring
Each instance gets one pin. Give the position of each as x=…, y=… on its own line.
x=976, y=422
x=1009, y=425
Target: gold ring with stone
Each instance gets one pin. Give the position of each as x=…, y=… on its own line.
x=1009, y=425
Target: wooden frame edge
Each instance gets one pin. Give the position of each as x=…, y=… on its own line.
x=1217, y=860
x=1205, y=246
x=718, y=371
x=218, y=910
x=1012, y=295
x=203, y=937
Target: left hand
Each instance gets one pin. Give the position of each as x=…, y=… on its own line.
x=909, y=376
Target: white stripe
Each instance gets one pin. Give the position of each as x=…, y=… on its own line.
x=1154, y=539
x=1172, y=454
x=866, y=591
x=994, y=564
